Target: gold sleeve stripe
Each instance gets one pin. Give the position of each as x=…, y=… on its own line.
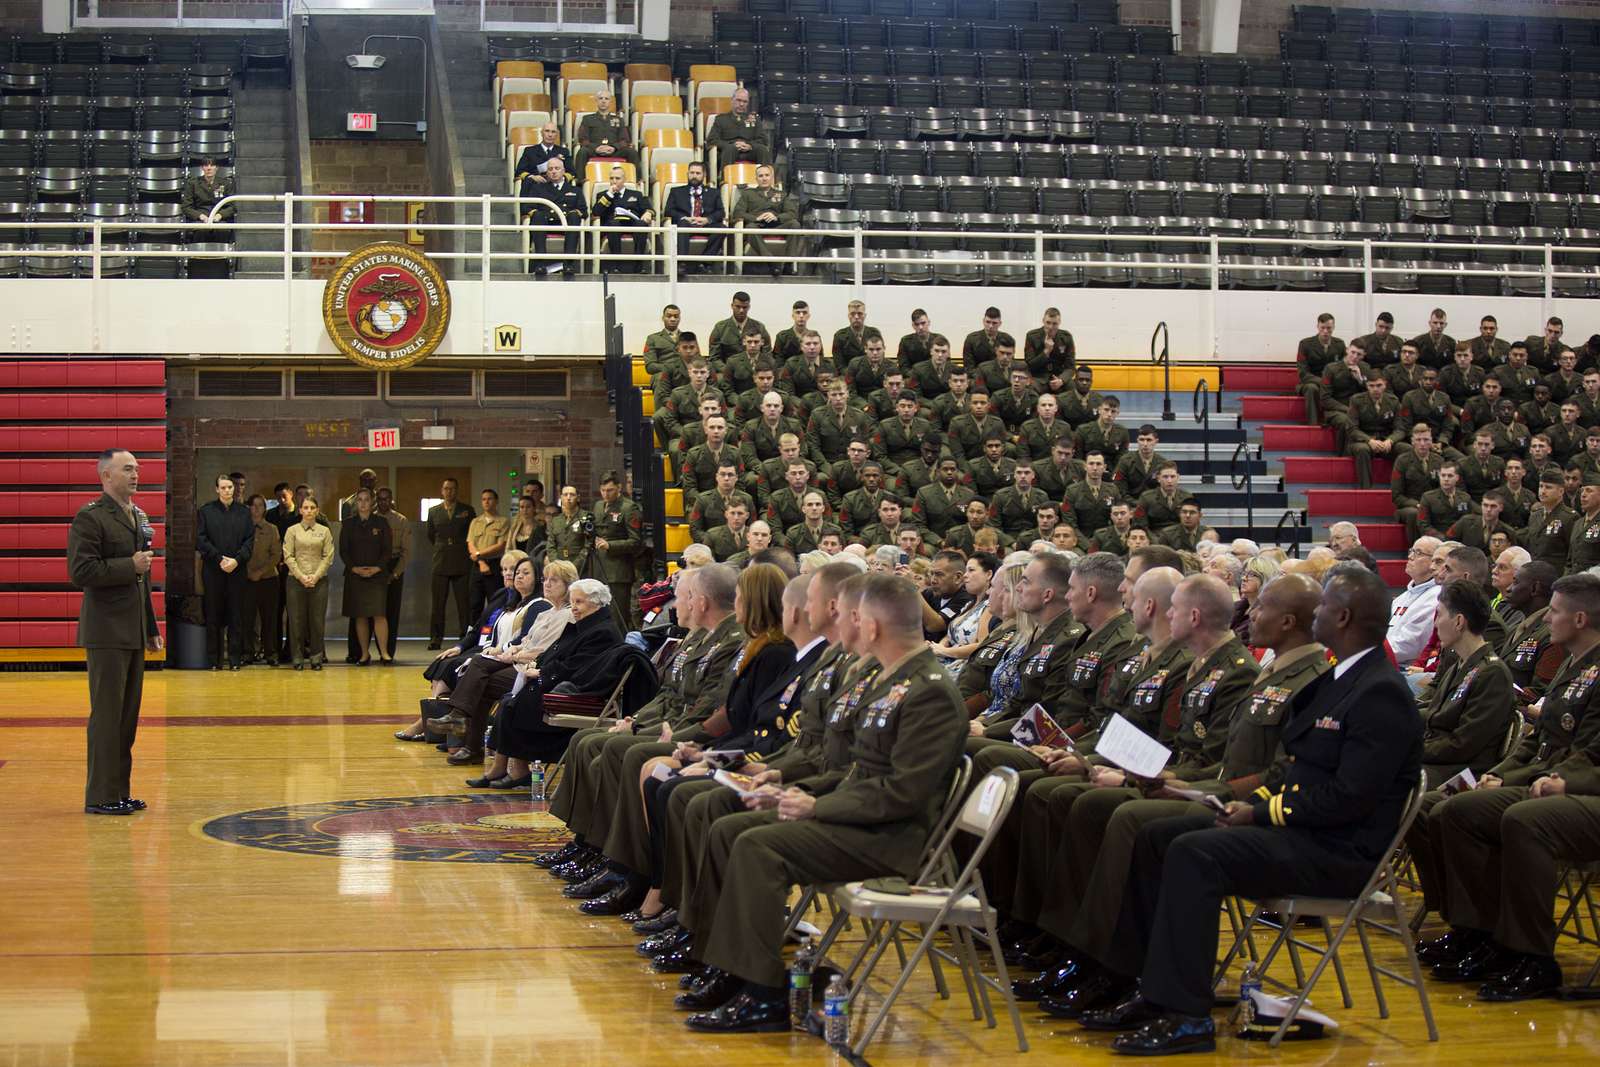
x=1275, y=810
x=1263, y=792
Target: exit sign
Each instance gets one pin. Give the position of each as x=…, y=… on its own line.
x=361, y=121
x=383, y=439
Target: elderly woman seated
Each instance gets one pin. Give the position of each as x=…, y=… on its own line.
x=520, y=736
x=445, y=668
x=534, y=625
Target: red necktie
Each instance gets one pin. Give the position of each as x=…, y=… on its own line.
x=696, y=195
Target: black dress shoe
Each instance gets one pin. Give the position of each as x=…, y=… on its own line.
x=483, y=782
x=1065, y=974
x=618, y=899
x=665, y=920
x=434, y=646
x=559, y=856
x=602, y=883
x=1101, y=989
x=689, y=980
x=116, y=807
x=1450, y=947
x=743, y=1014
x=673, y=940
x=678, y=962
x=1128, y=1014
x=1168, y=1035
x=1481, y=964
x=710, y=994
x=135, y=803
x=1531, y=977
x=581, y=869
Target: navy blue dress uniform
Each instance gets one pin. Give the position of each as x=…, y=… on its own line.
x=224, y=533
x=629, y=207
x=551, y=203
x=1356, y=748
x=533, y=162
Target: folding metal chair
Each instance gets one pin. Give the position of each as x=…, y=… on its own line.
x=937, y=902
x=1376, y=907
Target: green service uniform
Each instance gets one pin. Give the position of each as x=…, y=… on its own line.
x=710, y=510
x=1414, y=475
x=1049, y=357
x=1112, y=442
x=1583, y=549
x=1157, y=511
x=1039, y=437
x=116, y=620
x=699, y=471
x=1134, y=474
x=941, y=509
x=1312, y=359
x=568, y=541
x=1014, y=510
x=752, y=204
x=1091, y=505
x=1016, y=409
x=850, y=345
x=729, y=128
x=1437, y=511
x=609, y=129
x=829, y=433
x=979, y=348
x=447, y=533
x=1055, y=479
x=1478, y=476
x=1367, y=421
x=1531, y=656
x=898, y=440
x=966, y=434
x=1467, y=716
x=727, y=338
x=620, y=524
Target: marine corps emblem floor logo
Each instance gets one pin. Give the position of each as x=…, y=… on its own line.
x=386, y=306
x=448, y=829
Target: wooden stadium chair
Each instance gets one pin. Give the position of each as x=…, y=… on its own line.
x=1377, y=908
x=582, y=78
x=663, y=177
x=666, y=146
x=522, y=71
x=647, y=79
x=711, y=79
x=578, y=105
x=706, y=112
x=518, y=110
x=655, y=113
x=516, y=140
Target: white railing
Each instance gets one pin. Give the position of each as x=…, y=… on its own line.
x=621, y=17
x=838, y=254
x=177, y=14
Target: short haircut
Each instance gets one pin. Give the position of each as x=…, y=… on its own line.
x=718, y=583
x=741, y=296
x=1473, y=561
x=689, y=336
x=593, y=589
x=1584, y=592
x=1057, y=571
x=608, y=478
x=939, y=340
x=1101, y=570
x=1466, y=599
x=991, y=313
x=1147, y=430
x=800, y=305
x=1367, y=597
x=830, y=576
x=1153, y=556
x=1212, y=597
x=950, y=555
x=894, y=602
x=1324, y=317
x=779, y=557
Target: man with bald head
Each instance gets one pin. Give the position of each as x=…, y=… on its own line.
x=1101, y=832
x=1354, y=743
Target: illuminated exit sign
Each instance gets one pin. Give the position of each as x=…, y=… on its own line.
x=383, y=439
x=361, y=121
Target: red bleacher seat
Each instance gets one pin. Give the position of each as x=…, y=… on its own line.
x=85, y=472
x=52, y=570
x=1297, y=438
x=40, y=505
x=1273, y=408
x=52, y=536
x=1343, y=503
x=1270, y=378
x=49, y=634
x=1383, y=537
x=1394, y=572
x=50, y=407
x=83, y=373
x=55, y=605
x=1331, y=470
x=83, y=440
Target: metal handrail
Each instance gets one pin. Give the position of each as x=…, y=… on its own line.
x=1202, y=415
x=1295, y=521
x=1245, y=480
x=1165, y=359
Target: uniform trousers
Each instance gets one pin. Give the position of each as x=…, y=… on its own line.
x=116, y=685
x=443, y=586
x=626, y=837
x=999, y=867
x=750, y=862
x=1427, y=853
x=582, y=750
x=224, y=606
x=692, y=808
x=1504, y=858
x=308, y=609
x=617, y=244
x=658, y=804
x=1183, y=867
x=1312, y=391
x=484, y=584
x=1058, y=861
x=391, y=608
x=261, y=617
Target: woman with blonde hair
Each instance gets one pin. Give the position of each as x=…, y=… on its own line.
x=1006, y=678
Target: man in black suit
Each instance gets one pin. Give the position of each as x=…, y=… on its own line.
x=1354, y=745
x=692, y=206
x=108, y=557
x=533, y=166
x=558, y=200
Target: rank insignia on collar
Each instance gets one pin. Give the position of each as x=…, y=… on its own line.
x=1200, y=730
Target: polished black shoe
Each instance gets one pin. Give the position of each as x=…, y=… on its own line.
x=482, y=782
x=116, y=807
x=665, y=920
x=743, y=1014
x=674, y=940
x=560, y=856
x=1129, y=1013
x=1481, y=964
x=1168, y=1035
x=689, y=980
x=1065, y=974
x=602, y=883
x=581, y=870
x=1530, y=978
x=135, y=803
x=1101, y=989
x=1037, y=953
x=581, y=858
x=679, y=962
x=1450, y=947
x=618, y=899
x=711, y=993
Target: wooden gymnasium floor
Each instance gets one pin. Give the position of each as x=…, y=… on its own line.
x=146, y=941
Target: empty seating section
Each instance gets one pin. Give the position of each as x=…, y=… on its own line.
x=104, y=129
x=55, y=417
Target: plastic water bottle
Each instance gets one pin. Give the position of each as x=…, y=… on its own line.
x=1249, y=983
x=800, y=985
x=537, y=771
x=488, y=757
x=836, y=1012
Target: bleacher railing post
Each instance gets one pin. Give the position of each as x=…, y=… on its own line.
x=1549, y=280
x=288, y=237
x=94, y=255
x=669, y=247
x=1366, y=266
x=1038, y=259
x=860, y=264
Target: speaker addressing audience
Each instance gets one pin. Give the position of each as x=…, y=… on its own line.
x=108, y=557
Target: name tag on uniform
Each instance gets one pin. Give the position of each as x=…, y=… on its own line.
x=1328, y=722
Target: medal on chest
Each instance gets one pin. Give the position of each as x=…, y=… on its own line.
x=879, y=711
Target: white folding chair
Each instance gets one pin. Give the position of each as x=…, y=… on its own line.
x=942, y=899
x=1376, y=907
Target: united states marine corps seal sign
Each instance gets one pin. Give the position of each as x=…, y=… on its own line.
x=386, y=306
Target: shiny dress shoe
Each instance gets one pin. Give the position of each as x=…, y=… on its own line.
x=461, y=757
x=665, y=920
x=678, y=962
x=482, y=782
x=135, y=803
x=672, y=940
x=1450, y=947
x=743, y=1014
x=618, y=899
x=580, y=870
x=1065, y=974
x=1032, y=948
x=559, y=856
x=116, y=807
x=689, y=981
x=1530, y=978
x=1128, y=1014
x=1168, y=1035
x=1101, y=989
x=713, y=992
x=603, y=881
x=509, y=782
x=1481, y=964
